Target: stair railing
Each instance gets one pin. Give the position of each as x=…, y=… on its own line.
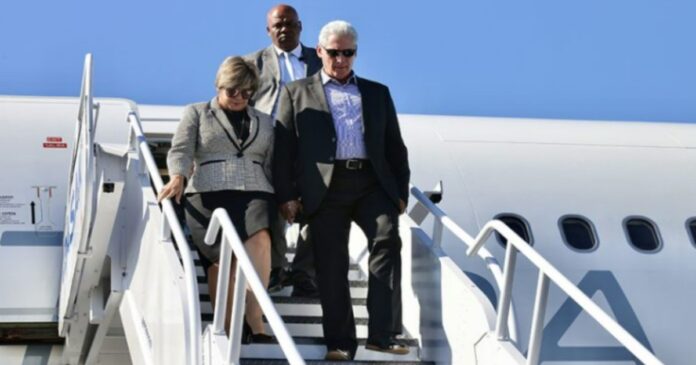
x=170, y=226
x=80, y=198
x=245, y=274
x=548, y=272
x=506, y=326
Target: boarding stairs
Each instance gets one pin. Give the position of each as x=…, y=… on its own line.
x=135, y=291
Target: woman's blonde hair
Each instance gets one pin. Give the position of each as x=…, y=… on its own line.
x=236, y=73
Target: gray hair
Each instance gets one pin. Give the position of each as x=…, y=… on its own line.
x=337, y=28
x=237, y=73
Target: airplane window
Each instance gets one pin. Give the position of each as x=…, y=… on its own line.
x=518, y=225
x=691, y=225
x=578, y=233
x=642, y=234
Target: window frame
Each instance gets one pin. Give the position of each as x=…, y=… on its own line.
x=593, y=232
x=525, y=224
x=655, y=228
x=692, y=237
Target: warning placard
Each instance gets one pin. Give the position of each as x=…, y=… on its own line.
x=9, y=210
x=54, y=142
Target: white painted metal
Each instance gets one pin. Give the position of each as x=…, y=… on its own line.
x=538, y=319
x=444, y=309
x=501, y=328
x=80, y=198
x=231, y=244
x=548, y=270
x=491, y=263
x=192, y=305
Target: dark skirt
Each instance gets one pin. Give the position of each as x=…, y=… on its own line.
x=250, y=212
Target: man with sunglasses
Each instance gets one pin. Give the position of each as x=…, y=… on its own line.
x=339, y=157
x=284, y=61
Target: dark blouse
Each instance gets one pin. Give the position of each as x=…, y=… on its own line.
x=240, y=123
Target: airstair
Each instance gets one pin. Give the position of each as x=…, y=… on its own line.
x=133, y=290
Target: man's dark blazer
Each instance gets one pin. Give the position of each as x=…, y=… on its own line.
x=266, y=60
x=305, y=144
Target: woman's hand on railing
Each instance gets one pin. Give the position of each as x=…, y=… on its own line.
x=174, y=188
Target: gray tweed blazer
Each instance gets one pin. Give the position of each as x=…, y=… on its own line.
x=204, y=153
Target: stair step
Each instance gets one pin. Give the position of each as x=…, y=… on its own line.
x=313, y=310
x=355, y=291
x=324, y=362
x=315, y=320
x=314, y=330
x=312, y=348
x=297, y=300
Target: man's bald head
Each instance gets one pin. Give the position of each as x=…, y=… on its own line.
x=283, y=26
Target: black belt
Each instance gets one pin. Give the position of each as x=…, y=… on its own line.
x=352, y=164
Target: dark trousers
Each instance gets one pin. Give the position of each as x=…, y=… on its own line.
x=356, y=195
x=303, y=263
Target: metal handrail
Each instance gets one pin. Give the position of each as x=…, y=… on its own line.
x=82, y=156
x=170, y=225
x=549, y=272
x=231, y=244
x=441, y=221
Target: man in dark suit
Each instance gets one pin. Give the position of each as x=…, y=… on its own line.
x=284, y=61
x=339, y=157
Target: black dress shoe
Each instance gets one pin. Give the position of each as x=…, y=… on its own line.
x=261, y=338
x=389, y=345
x=249, y=337
x=278, y=280
x=338, y=355
x=304, y=287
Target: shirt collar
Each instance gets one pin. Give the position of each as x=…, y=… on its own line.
x=297, y=51
x=325, y=78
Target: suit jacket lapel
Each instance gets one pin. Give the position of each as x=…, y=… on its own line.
x=317, y=90
x=270, y=63
x=311, y=60
x=367, y=106
x=219, y=114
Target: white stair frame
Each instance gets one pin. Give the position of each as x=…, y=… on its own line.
x=546, y=272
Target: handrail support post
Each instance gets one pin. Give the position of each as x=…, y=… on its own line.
x=437, y=232
x=542, y=295
x=501, y=325
x=237, y=317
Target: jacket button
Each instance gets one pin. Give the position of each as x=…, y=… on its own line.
x=333, y=139
x=331, y=158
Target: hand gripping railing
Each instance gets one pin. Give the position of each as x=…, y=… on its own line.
x=245, y=272
x=503, y=332
x=170, y=225
x=547, y=272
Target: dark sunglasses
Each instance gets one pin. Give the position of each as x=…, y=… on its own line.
x=333, y=53
x=233, y=93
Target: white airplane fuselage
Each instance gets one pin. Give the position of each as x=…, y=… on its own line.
x=607, y=174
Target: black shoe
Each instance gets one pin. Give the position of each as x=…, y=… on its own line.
x=261, y=338
x=278, y=280
x=389, y=345
x=338, y=355
x=249, y=337
x=304, y=287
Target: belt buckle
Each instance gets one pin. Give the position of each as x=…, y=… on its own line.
x=353, y=164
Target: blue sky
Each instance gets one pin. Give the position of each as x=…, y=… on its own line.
x=589, y=59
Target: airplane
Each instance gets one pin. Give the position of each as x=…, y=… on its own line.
x=542, y=242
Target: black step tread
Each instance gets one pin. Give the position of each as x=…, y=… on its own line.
x=410, y=342
x=324, y=362
x=208, y=317
x=314, y=320
x=298, y=300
